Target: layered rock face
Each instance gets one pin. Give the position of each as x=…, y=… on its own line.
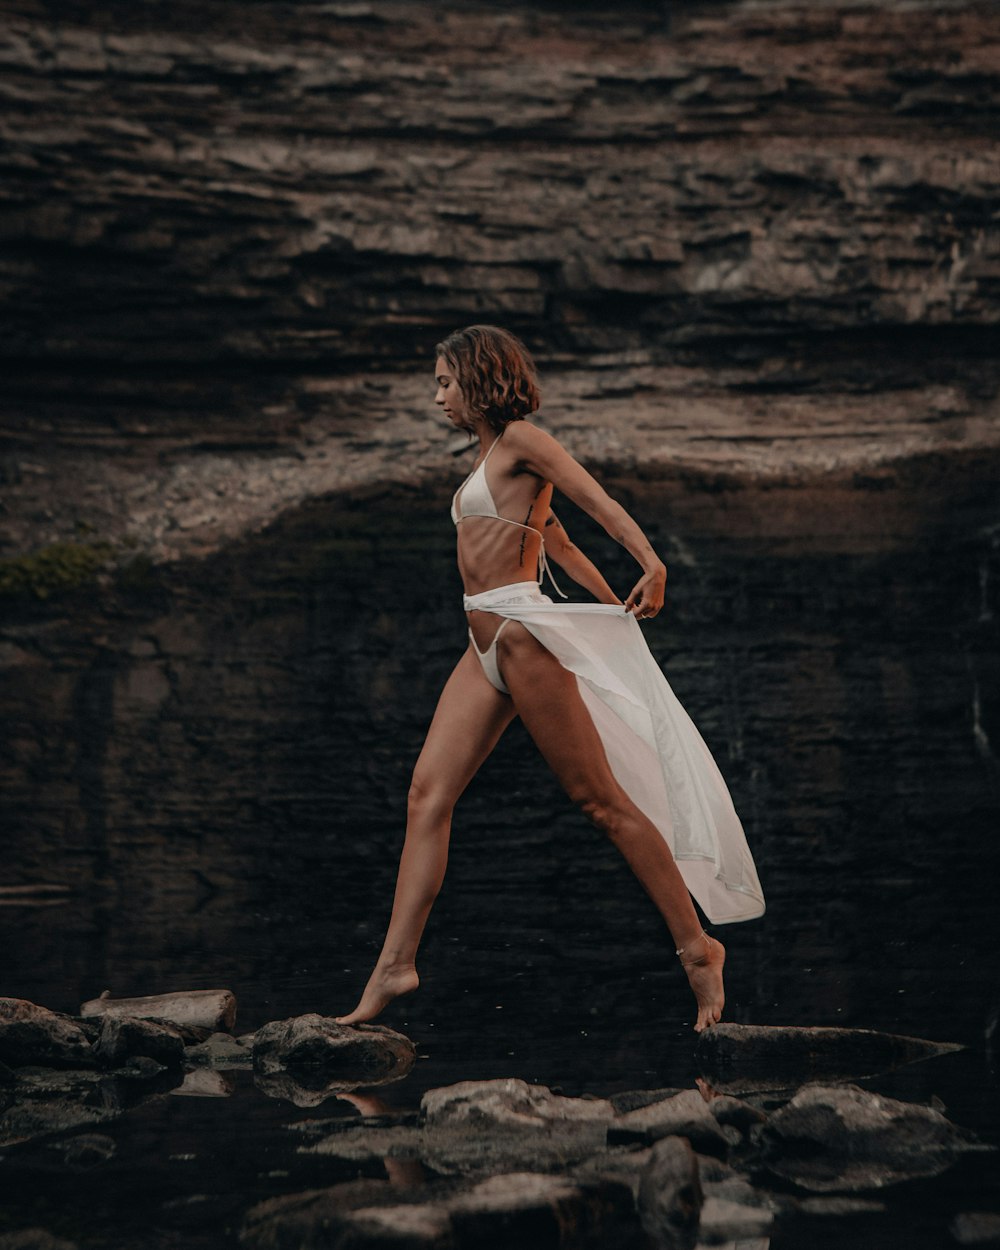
x=754, y=248
x=748, y=243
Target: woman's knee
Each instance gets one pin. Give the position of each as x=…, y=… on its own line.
x=609, y=812
x=428, y=798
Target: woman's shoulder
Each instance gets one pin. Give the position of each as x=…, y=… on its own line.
x=524, y=435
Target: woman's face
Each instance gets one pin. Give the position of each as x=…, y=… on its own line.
x=449, y=396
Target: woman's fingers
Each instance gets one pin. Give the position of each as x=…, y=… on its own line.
x=646, y=598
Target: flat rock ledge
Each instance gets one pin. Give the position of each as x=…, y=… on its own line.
x=746, y=1058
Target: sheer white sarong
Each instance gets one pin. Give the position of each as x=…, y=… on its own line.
x=653, y=747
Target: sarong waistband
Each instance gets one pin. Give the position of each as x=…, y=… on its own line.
x=513, y=592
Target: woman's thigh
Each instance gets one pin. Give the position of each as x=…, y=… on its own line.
x=470, y=717
x=548, y=700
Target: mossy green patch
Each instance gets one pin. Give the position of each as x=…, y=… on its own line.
x=60, y=566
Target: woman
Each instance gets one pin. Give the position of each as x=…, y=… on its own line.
x=579, y=676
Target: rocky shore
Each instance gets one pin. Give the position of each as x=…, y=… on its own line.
x=504, y=1160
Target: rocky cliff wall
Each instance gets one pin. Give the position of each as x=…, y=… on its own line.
x=753, y=246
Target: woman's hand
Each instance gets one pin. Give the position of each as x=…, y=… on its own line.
x=646, y=598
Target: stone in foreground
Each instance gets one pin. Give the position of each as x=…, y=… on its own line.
x=684, y=1115
x=518, y=1208
x=742, y=1058
x=670, y=1194
x=840, y=1139
x=507, y=1124
x=30, y=1034
x=123, y=1038
x=323, y=1053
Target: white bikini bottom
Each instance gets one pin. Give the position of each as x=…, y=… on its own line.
x=654, y=750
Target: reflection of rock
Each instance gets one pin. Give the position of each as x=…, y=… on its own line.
x=33, y=1035
x=743, y=1058
x=840, y=1138
x=220, y=1050
x=204, y=1083
x=321, y=1054
x=44, y=1101
x=307, y=1088
x=670, y=1195
x=519, y=1207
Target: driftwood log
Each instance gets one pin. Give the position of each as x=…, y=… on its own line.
x=202, y=1009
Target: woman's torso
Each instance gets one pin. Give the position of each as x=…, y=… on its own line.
x=495, y=550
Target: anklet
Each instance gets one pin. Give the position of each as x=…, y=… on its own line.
x=683, y=949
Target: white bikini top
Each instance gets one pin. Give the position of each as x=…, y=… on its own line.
x=474, y=498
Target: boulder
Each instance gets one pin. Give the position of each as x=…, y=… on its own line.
x=734, y=1113
x=481, y=1126
x=123, y=1038
x=743, y=1058
x=840, y=1139
x=508, y=1104
x=30, y=1034
x=542, y=1211
x=683, y=1115
x=670, y=1194
x=533, y=1210
x=324, y=1055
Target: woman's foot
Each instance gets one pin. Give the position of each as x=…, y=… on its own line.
x=702, y=959
x=384, y=984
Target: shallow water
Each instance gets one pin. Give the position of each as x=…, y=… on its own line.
x=217, y=766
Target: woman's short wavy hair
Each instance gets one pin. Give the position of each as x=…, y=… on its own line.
x=495, y=372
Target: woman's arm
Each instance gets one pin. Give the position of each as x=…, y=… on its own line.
x=569, y=557
x=541, y=454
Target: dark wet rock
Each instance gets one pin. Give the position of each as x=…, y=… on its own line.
x=723, y=1220
x=34, y=1239
x=670, y=1194
x=836, y=1205
x=361, y=1141
x=840, y=1138
x=616, y=1163
x=220, y=1050
x=124, y=1038
x=542, y=1211
x=30, y=1034
x=508, y=1104
x=682, y=1115
x=633, y=1099
x=319, y=1052
x=313, y=1219
x=976, y=1228
x=734, y=1113
x=533, y=1210
x=482, y=1125
x=742, y=1058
